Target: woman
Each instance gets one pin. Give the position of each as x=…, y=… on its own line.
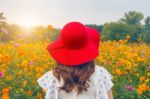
x=76, y=76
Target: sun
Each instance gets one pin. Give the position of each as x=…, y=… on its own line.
x=28, y=22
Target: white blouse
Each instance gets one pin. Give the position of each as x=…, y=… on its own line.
x=100, y=84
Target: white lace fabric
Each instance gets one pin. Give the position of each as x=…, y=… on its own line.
x=101, y=83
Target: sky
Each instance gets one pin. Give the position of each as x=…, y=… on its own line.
x=59, y=12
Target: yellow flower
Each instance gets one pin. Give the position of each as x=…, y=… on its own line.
x=21, y=52
x=10, y=77
x=39, y=69
x=146, y=80
x=39, y=96
x=5, y=97
x=139, y=59
x=5, y=57
x=38, y=75
x=142, y=79
x=128, y=65
x=21, y=90
x=119, y=72
x=49, y=27
x=25, y=82
x=25, y=63
x=29, y=92
x=148, y=74
x=141, y=88
x=135, y=64
x=128, y=37
x=51, y=63
x=137, y=74
x=140, y=91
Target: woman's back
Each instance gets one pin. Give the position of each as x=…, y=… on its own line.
x=99, y=86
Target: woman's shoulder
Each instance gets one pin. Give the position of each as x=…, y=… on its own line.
x=47, y=75
x=46, y=79
x=103, y=72
x=99, y=68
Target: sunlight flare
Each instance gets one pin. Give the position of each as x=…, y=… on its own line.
x=28, y=22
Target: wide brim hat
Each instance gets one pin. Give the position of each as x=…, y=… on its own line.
x=77, y=44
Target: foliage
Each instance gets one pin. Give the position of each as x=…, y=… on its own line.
x=3, y=32
x=97, y=27
x=115, y=31
x=131, y=26
x=145, y=36
x=2, y=20
x=133, y=18
x=147, y=23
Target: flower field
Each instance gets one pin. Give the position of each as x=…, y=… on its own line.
x=22, y=63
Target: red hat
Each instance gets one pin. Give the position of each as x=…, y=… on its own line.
x=94, y=36
x=76, y=44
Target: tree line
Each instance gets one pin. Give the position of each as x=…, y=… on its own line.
x=133, y=25
x=130, y=25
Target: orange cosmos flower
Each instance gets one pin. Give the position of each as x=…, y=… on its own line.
x=119, y=72
x=5, y=57
x=143, y=87
x=5, y=90
x=29, y=92
x=39, y=96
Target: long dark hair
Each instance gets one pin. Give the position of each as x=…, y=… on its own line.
x=75, y=77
